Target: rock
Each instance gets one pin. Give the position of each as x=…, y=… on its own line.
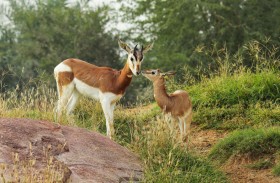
x=76, y=155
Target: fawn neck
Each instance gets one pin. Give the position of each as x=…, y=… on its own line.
x=160, y=91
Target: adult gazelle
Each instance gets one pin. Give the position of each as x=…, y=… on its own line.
x=75, y=77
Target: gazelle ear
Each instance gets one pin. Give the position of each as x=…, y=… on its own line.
x=147, y=48
x=124, y=46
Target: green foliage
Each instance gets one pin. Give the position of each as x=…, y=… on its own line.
x=238, y=101
x=44, y=33
x=276, y=170
x=180, y=27
x=251, y=142
x=235, y=96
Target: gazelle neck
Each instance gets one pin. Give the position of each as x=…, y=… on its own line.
x=125, y=77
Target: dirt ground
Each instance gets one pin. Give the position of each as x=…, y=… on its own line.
x=236, y=169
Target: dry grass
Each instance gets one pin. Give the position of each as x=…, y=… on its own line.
x=28, y=170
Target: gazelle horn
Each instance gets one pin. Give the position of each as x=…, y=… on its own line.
x=135, y=47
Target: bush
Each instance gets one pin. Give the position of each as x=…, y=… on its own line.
x=252, y=142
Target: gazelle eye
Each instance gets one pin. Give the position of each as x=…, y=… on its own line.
x=153, y=72
x=131, y=59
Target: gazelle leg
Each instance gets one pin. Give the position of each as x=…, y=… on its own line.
x=111, y=122
x=73, y=101
x=65, y=94
x=108, y=112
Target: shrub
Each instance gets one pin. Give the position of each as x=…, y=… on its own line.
x=252, y=142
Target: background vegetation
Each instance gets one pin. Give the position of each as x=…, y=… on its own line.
x=39, y=34
x=226, y=54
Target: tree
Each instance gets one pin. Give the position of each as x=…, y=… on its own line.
x=46, y=32
x=179, y=27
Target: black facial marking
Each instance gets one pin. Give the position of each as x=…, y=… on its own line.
x=141, y=57
x=138, y=55
x=135, y=54
x=153, y=72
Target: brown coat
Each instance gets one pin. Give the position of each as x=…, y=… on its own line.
x=104, y=78
x=177, y=103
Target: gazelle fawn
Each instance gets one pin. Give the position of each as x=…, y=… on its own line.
x=75, y=77
x=178, y=104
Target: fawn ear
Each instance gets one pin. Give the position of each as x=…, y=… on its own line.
x=147, y=48
x=124, y=46
x=170, y=73
x=166, y=74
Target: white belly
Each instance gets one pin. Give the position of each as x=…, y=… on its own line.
x=87, y=90
x=95, y=93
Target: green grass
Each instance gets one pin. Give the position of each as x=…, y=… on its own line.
x=276, y=170
x=166, y=160
x=241, y=88
x=252, y=143
x=238, y=116
x=237, y=101
x=139, y=129
x=261, y=164
x=233, y=98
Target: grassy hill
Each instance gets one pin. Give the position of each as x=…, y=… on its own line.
x=241, y=103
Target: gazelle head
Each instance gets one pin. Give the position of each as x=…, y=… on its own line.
x=135, y=56
x=154, y=74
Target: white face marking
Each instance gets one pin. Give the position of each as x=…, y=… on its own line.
x=134, y=65
x=154, y=72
